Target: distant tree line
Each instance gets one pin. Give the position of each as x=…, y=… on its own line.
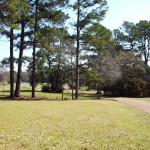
x=92, y=56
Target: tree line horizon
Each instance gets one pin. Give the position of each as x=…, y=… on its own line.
x=113, y=61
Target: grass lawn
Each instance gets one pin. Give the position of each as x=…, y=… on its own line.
x=72, y=125
x=26, y=91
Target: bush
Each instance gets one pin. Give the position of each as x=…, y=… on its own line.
x=129, y=87
x=45, y=88
x=138, y=87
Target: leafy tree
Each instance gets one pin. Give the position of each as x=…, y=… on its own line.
x=138, y=88
x=131, y=67
x=96, y=40
x=50, y=58
x=110, y=72
x=86, y=12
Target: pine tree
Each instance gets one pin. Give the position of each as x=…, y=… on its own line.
x=8, y=22
x=24, y=9
x=86, y=12
x=45, y=13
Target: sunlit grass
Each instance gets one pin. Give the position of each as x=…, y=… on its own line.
x=24, y=86
x=26, y=91
x=70, y=125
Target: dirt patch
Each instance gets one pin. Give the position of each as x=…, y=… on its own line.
x=137, y=103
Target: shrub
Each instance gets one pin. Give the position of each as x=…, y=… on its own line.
x=45, y=88
x=138, y=87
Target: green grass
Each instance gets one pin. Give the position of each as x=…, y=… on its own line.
x=72, y=125
x=24, y=86
x=26, y=91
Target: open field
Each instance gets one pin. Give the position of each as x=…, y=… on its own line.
x=26, y=91
x=72, y=125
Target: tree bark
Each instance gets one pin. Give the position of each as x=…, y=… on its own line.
x=18, y=82
x=72, y=77
x=33, y=69
x=34, y=51
x=77, y=53
x=11, y=65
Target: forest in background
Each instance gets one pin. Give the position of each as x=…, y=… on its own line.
x=115, y=62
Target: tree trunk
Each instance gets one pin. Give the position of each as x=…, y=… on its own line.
x=18, y=82
x=11, y=65
x=77, y=54
x=58, y=75
x=72, y=78
x=33, y=69
x=145, y=53
x=99, y=95
x=62, y=88
x=34, y=51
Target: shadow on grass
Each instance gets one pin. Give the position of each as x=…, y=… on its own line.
x=25, y=98
x=82, y=96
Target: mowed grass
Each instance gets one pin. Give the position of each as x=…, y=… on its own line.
x=73, y=125
x=26, y=89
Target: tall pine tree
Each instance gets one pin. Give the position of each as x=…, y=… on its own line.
x=86, y=13
x=8, y=22
x=45, y=13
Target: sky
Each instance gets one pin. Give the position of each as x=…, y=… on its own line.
x=119, y=11
x=126, y=10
